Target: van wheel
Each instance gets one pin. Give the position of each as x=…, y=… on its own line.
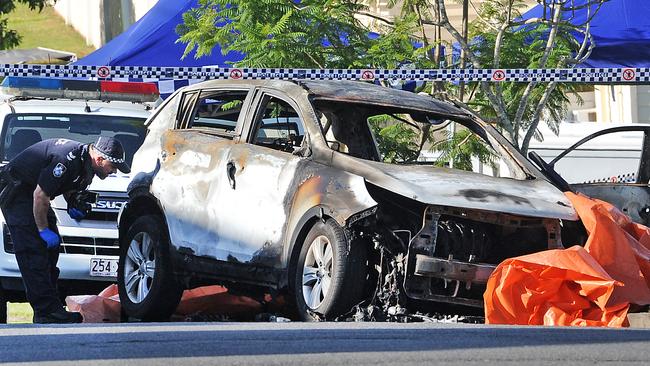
x=329, y=277
x=3, y=306
x=147, y=287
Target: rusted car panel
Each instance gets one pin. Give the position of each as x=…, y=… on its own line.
x=194, y=203
x=281, y=184
x=631, y=198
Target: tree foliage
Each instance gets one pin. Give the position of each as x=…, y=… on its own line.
x=278, y=33
x=9, y=38
x=329, y=34
x=502, y=39
x=396, y=141
x=460, y=148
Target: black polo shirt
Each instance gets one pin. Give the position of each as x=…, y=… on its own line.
x=56, y=165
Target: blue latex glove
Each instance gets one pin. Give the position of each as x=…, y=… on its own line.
x=50, y=238
x=76, y=213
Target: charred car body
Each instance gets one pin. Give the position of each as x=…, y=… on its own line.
x=278, y=185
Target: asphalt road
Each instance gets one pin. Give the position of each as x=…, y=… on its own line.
x=319, y=344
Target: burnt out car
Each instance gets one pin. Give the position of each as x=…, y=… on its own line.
x=281, y=187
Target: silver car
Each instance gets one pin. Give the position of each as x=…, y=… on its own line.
x=286, y=187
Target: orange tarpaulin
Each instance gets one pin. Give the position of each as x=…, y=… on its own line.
x=590, y=286
x=215, y=300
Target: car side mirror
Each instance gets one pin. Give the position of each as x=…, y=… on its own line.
x=303, y=151
x=335, y=145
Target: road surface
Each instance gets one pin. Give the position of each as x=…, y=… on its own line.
x=319, y=344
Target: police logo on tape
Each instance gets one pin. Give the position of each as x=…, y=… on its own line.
x=58, y=170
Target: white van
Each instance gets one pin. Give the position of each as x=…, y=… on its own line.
x=612, y=157
x=607, y=161
x=89, y=248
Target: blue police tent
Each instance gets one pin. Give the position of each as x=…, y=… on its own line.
x=621, y=32
x=151, y=41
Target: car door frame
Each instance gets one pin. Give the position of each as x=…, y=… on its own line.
x=643, y=171
x=626, y=196
x=246, y=165
x=183, y=126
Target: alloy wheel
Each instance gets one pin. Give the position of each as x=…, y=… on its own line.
x=317, y=272
x=139, y=267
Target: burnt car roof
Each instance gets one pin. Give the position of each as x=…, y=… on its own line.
x=351, y=91
x=364, y=92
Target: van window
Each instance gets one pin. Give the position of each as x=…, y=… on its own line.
x=23, y=130
x=613, y=158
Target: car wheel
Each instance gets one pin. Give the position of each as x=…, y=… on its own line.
x=330, y=276
x=147, y=287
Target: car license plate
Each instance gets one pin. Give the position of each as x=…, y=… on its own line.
x=103, y=267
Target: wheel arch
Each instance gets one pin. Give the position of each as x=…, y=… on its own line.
x=140, y=203
x=305, y=223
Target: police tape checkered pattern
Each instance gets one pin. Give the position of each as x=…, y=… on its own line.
x=151, y=73
x=621, y=178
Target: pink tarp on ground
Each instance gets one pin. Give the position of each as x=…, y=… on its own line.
x=590, y=286
x=207, y=300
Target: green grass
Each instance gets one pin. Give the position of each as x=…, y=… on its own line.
x=19, y=312
x=46, y=29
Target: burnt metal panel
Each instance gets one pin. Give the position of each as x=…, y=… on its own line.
x=452, y=270
x=456, y=188
x=632, y=199
x=363, y=92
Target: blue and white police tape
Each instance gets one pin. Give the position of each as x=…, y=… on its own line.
x=151, y=73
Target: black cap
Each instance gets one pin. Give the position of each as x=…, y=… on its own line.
x=113, y=151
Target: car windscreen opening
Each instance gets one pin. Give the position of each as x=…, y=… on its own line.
x=410, y=136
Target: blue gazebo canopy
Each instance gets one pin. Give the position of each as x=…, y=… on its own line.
x=151, y=41
x=621, y=32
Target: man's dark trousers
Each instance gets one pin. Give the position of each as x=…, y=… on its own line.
x=37, y=263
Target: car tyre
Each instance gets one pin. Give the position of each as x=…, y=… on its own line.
x=147, y=287
x=330, y=275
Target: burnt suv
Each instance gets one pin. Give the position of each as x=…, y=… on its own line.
x=271, y=186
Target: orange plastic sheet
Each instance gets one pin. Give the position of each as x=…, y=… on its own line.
x=590, y=286
x=207, y=300
x=215, y=300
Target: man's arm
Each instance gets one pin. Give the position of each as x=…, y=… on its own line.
x=41, y=205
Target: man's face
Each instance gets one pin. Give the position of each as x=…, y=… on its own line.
x=103, y=168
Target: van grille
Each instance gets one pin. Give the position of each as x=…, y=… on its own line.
x=101, y=216
x=90, y=246
x=74, y=245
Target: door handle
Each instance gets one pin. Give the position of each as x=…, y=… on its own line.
x=231, y=169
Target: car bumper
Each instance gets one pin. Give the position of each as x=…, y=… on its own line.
x=77, y=250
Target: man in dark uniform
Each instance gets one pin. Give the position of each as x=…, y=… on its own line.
x=42, y=172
